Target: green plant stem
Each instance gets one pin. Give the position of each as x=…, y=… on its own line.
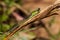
x=49, y=33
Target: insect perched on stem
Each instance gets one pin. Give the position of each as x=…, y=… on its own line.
x=40, y=15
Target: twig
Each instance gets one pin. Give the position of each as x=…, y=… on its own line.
x=15, y=7
x=23, y=10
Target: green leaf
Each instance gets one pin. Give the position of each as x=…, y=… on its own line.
x=5, y=27
x=4, y=17
x=9, y=2
x=2, y=36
